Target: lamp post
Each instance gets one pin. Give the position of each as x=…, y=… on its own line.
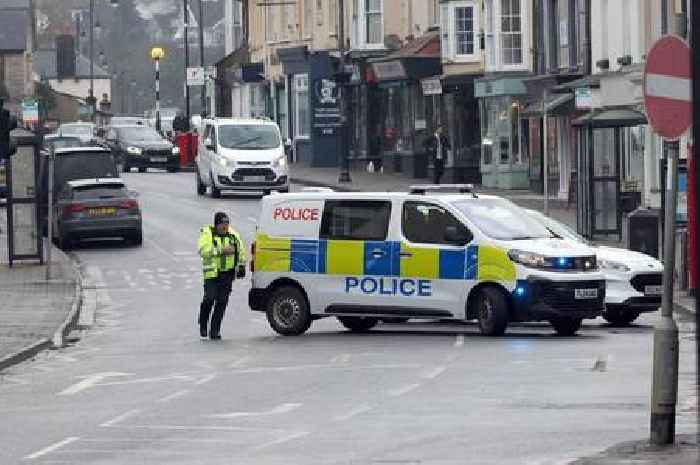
x=201, y=57
x=157, y=53
x=187, y=60
x=91, y=93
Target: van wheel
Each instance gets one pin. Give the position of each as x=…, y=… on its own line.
x=201, y=188
x=492, y=311
x=619, y=317
x=142, y=170
x=287, y=311
x=215, y=192
x=65, y=242
x=566, y=326
x=358, y=324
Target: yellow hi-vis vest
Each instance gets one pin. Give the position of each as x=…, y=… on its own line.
x=211, y=246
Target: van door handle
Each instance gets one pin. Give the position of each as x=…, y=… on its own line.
x=378, y=253
x=405, y=255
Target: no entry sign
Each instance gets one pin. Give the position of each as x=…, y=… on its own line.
x=667, y=87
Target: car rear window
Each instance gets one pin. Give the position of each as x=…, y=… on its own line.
x=109, y=191
x=85, y=165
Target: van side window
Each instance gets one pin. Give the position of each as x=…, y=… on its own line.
x=426, y=223
x=359, y=220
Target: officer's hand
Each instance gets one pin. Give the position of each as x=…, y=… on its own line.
x=228, y=250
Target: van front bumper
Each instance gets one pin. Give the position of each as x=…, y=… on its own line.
x=537, y=299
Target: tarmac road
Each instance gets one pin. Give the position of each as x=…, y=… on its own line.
x=139, y=387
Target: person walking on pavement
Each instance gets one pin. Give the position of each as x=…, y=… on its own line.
x=437, y=146
x=180, y=123
x=223, y=260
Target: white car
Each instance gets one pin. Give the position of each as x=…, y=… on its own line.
x=633, y=280
x=241, y=155
x=86, y=132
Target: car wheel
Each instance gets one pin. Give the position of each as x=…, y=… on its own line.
x=173, y=169
x=492, y=311
x=215, y=191
x=135, y=238
x=142, y=169
x=65, y=242
x=288, y=312
x=358, y=324
x=566, y=326
x=201, y=188
x=126, y=168
x=619, y=317
x=395, y=320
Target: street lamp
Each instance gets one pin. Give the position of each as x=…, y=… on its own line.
x=91, y=96
x=157, y=53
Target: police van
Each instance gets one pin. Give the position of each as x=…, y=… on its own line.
x=435, y=252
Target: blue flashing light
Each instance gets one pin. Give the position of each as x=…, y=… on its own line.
x=563, y=262
x=519, y=291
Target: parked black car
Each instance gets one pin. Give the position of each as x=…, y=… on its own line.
x=142, y=147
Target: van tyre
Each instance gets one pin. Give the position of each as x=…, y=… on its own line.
x=358, y=324
x=201, y=188
x=566, y=326
x=619, y=317
x=492, y=311
x=288, y=312
x=65, y=242
x=215, y=192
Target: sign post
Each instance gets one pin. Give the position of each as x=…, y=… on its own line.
x=669, y=111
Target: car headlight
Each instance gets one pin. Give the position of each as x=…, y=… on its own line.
x=281, y=162
x=529, y=259
x=611, y=265
x=134, y=150
x=535, y=260
x=176, y=150
x=225, y=162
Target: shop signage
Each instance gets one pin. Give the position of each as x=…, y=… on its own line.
x=195, y=76
x=30, y=111
x=667, y=83
x=420, y=124
x=584, y=98
x=389, y=70
x=327, y=114
x=431, y=86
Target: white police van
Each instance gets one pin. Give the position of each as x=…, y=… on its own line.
x=440, y=252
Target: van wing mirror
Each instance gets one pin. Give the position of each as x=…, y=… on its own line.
x=209, y=144
x=458, y=236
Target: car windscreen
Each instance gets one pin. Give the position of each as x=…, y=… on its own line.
x=72, y=166
x=64, y=142
x=557, y=228
x=103, y=191
x=501, y=219
x=139, y=134
x=167, y=113
x=249, y=137
x=82, y=129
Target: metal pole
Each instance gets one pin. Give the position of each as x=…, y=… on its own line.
x=665, y=370
x=92, y=59
x=49, y=230
x=545, y=150
x=345, y=95
x=157, y=63
x=201, y=56
x=187, y=62
x=695, y=60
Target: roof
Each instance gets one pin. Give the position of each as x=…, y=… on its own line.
x=93, y=149
x=13, y=29
x=44, y=62
x=325, y=195
x=426, y=46
x=251, y=121
x=611, y=118
x=96, y=182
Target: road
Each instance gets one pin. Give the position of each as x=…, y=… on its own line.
x=139, y=386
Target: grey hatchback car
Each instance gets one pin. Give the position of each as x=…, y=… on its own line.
x=96, y=208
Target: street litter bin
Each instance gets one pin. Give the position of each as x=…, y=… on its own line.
x=644, y=231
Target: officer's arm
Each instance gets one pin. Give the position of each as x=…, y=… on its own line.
x=206, y=246
x=241, y=249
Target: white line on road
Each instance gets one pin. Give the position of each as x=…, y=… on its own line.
x=291, y=437
x=51, y=448
x=88, y=382
x=174, y=395
x=459, y=342
x=279, y=410
x=116, y=420
x=325, y=366
x=434, y=373
x=253, y=220
x=352, y=413
x=148, y=380
x=241, y=361
x=205, y=428
x=341, y=358
x=403, y=390
x=206, y=379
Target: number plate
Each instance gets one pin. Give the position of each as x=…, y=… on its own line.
x=653, y=290
x=586, y=293
x=255, y=178
x=106, y=211
x=158, y=159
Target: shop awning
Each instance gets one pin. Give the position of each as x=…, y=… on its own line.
x=418, y=59
x=557, y=105
x=588, y=81
x=611, y=118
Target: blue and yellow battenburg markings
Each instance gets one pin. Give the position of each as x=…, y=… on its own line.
x=382, y=258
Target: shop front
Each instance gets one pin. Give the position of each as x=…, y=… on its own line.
x=504, y=152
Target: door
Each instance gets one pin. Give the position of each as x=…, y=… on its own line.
x=606, y=216
x=434, y=260
x=204, y=158
x=358, y=256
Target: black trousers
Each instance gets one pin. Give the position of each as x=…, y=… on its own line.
x=216, y=294
x=439, y=165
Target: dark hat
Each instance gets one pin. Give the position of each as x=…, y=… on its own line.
x=220, y=217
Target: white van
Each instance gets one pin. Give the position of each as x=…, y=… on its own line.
x=426, y=254
x=241, y=155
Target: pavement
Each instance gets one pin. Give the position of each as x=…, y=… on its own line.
x=35, y=314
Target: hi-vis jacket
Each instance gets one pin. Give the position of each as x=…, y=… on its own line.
x=211, y=245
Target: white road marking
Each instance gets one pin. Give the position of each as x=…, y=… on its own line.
x=325, y=366
x=116, y=420
x=205, y=428
x=148, y=380
x=279, y=410
x=434, y=373
x=183, y=253
x=241, y=361
x=156, y=246
x=90, y=381
x=206, y=379
x=144, y=270
x=459, y=341
x=291, y=437
x=174, y=395
x=341, y=358
x=403, y=390
x=252, y=220
x=352, y=413
x=51, y=448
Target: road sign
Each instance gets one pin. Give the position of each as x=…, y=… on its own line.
x=195, y=76
x=667, y=83
x=30, y=111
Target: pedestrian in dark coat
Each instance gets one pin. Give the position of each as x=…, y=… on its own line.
x=437, y=146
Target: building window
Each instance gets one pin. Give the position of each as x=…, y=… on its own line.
x=368, y=24
x=506, y=34
x=237, y=25
x=270, y=26
x=459, y=28
x=464, y=30
x=511, y=33
x=302, y=126
x=434, y=12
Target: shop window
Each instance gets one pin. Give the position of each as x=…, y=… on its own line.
x=302, y=123
x=500, y=123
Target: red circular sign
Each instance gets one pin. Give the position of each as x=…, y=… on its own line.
x=667, y=87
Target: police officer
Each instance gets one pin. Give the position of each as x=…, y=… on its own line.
x=223, y=260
